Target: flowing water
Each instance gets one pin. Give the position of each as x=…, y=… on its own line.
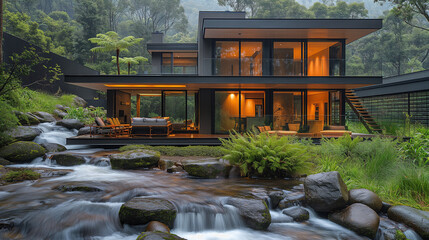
x=41, y=212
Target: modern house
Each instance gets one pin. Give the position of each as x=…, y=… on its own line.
x=243, y=73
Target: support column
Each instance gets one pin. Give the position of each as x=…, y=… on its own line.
x=138, y=105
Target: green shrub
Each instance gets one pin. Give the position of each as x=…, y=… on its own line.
x=205, y=151
x=85, y=115
x=21, y=175
x=266, y=155
x=417, y=148
x=414, y=181
x=342, y=146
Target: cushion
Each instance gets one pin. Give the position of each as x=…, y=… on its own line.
x=293, y=126
x=150, y=120
x=261, y=128
x=337, y=128
x=99, y=122
x=137, y=120
x=110, y=121
x=161, y=120
x=267, y=128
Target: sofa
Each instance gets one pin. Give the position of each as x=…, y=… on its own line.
x=150, y=127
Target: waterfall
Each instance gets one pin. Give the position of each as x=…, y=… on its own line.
x=193, y=217
x=52, y=133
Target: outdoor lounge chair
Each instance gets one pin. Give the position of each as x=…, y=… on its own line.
x=100, y=128
x=277, y=132
x=335, y=131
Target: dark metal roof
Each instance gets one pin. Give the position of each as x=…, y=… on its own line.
x=412, y=82
x=293, y=23
x=172, y=47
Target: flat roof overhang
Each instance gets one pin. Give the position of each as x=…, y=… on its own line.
x=349, y=29
x=193, y=82
x=172, y=47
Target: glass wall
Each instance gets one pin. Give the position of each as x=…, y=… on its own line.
x=287, y=59
x=252, y=109
x=179, y=63
x=287, y=110
x=150, y=104
x=251, y=58
x=175, y=108
x=324, y=58
x=192, y=106
x=234, y=58
x=317, y=110
x=227, y=111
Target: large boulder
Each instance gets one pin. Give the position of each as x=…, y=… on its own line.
x=358, y=218
x=84, y=131
x=53, y=147
x=326, y=192
x=79, y=102
x=254, y=212
x=297, y=213
x=158, y=236
x=24, y=133
x=26, y=118
x=59, y=113
x=21, y=152
x=414, y=218
x=44, y=117
x=134, y=159
x=366, y=197
x=68, y=159
x=71, y=123
x=156, y=226
x=206, y=169
x=140, y=210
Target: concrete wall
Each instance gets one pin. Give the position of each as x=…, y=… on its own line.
x=206, y=111
x=14, y=44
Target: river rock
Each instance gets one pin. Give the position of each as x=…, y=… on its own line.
x=59, y=113
x=156, y=226
x=254, y=212
x=44, y=117
x=134, y=159
x=76, y=188
x=326, y=192
x=358, y=218
x=26, y=118
x=414, y=218
x=140, y=210
x=67, y=159
x=24, y=133
x=21, y=152
x=4, y=162
x=385, y=207
x=158, y=236
x=206, y=169
x=84, y=131
x=292, y=199
x=53, y=147
x=276, y=197
x=71, y=123
x=366, y=197
x=165, y=164
x=298, y=214
x=79, y=102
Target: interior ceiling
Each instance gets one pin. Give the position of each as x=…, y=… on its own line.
x=349, y=34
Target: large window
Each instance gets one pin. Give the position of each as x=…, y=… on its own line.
x=287, y=59
x=287, y=110
x=234, y=58
x=179, y=63
x=324, y=58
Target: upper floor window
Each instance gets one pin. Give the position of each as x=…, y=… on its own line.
x=235, y=58
x=179, y=63
x=287, y=59
x=324, y=58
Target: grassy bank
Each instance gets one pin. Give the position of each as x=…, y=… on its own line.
x=205, y=151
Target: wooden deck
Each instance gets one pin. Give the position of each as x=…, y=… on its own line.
x=178, y=139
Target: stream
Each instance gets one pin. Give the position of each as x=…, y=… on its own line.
x=41, y=212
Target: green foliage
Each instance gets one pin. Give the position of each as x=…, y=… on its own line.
x=20, y=175
x=207, y=151
x=266, y=155
x=377, y=165
x=417, y=148
x=85, y=115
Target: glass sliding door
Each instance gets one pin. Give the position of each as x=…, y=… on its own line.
x=150, y=104
x=175, y=109
x=287, y=59
x=227, y=61
x=317, y=110
x=251, y=58
x=252, y=109
x=287, y=110
x=192, y=112
x=335, y=108
x=227, y=111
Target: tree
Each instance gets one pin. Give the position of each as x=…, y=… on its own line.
x=114, y=9
x=111, y=42
x=407, y=10
x=130, y=60
x=320, y=10
x=282, y=9
x=1, y=31
x=241, y=5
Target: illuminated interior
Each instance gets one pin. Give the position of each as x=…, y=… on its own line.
x=229, y=58
x=287, y=59
x=179, y=63
x=323, y=58
x=287, y=110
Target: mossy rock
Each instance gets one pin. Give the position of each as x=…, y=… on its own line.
x=26, y=118
x=254, y=212
x=23, y=133
x=158, y=236
x=53, y=147
x=4, y=162
x=140, y=210
x=67, y=159
x=22, y=152
x=135, y=159
x=206, y=169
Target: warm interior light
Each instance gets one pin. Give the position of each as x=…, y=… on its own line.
x=143, y=86
x=150, y=94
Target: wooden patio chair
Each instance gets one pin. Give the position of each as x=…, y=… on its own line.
x=100, y=128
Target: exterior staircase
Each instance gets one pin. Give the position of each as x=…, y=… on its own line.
x=362, y=113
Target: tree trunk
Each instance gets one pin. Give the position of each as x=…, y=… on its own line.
x=2, y=4
x=117, y=61
x=129, y=68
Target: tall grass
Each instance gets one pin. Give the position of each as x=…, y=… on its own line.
x=26, y=100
